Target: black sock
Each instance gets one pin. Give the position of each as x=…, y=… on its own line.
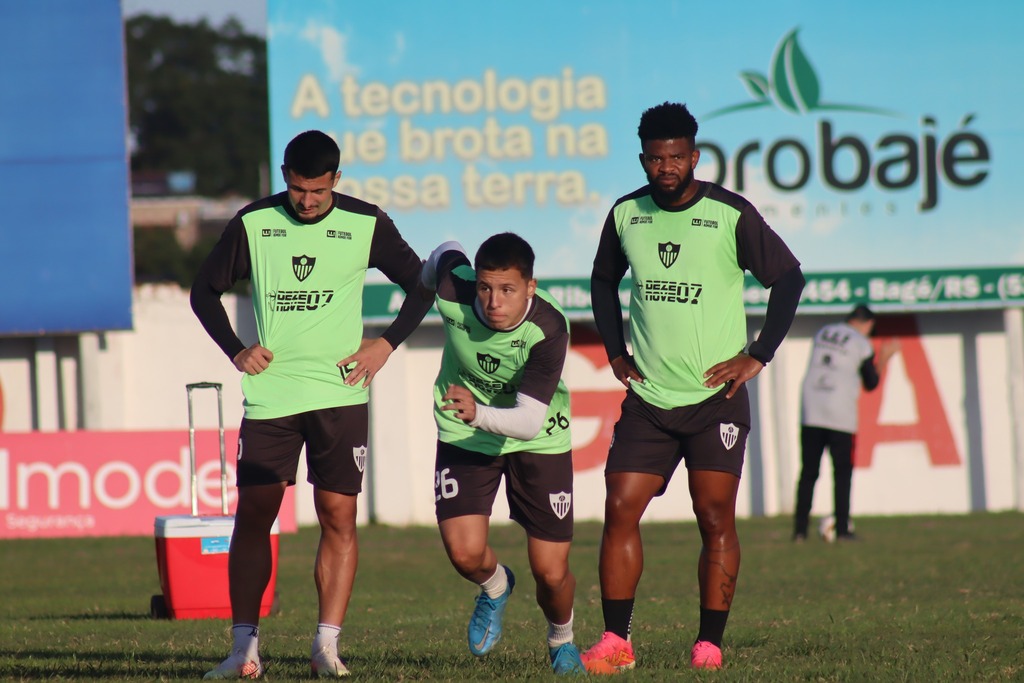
x=712, y=625
x=618, y=616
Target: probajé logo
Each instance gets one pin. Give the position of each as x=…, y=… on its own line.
x=843, y=160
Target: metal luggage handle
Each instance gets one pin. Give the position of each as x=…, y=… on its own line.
x=192, y=447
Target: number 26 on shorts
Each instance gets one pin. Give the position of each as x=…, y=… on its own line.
x=443, y=486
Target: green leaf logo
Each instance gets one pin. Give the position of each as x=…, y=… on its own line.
x=793, y=85
x=757, y=85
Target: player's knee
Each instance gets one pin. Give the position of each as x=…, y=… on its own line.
x=338, y=529
x=466, y=560
x=254, y=523
x=714, y=521
x=621, y=512
x=553, y=577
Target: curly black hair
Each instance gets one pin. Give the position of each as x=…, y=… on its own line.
x=667, y=121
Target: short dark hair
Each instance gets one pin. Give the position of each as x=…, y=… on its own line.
x=667, y=121
x=503, y=251
x=312, y=154
x=860, y=313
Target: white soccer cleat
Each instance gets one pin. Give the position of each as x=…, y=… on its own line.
x=327, y=664
x=237, y=665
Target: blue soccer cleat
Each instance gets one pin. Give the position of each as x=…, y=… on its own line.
x=485, y=624
x=565, y=659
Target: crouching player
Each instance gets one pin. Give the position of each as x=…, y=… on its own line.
x=502, y=410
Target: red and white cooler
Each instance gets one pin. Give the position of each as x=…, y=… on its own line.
x=192, y=550
x=192, y=559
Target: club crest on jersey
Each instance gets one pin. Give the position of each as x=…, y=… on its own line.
x=359, y=455
x=302, y=266
x=730, y=434
x=487, y=362
x=668, y=252
x=561, y=503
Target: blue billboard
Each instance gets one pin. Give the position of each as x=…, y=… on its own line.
x=878, y=135
x=65, y=236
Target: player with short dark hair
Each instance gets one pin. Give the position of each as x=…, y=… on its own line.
x=687, y=244
x=504, y=251
x=842, y=362
x=306, y=251
x=502, y=410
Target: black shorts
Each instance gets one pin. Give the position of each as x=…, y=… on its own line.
x=335, y=440
x=538, y=487
x=711, y=435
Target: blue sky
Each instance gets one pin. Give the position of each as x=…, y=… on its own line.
x=252, y=13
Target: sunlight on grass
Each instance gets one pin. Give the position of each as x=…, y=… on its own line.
x=919, y=599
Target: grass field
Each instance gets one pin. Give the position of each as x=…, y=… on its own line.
x=920, y=599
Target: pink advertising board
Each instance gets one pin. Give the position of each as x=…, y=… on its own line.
x=90, y=483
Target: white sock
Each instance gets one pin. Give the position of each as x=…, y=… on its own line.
x=247, y=640
x=560, y=634
x=326, y=637
x=496, y=585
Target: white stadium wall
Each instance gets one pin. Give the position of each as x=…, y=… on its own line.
x=94, y=429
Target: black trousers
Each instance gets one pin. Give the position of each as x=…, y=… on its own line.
x=813, y=441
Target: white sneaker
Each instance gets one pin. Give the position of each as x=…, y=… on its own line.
x=326, y=664
x=237, y=665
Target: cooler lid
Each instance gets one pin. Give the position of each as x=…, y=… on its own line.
x=187, y=526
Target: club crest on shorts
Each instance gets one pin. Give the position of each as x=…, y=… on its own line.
x=302, y=266
x=359, y=455
x=487, y=362
x=668, y=252
x=561, y=502
x=730, y=434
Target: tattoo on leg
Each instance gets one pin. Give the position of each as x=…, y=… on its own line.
x=728, y=583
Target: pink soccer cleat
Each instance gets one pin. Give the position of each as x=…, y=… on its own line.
x=611, y=655
x=705, y=655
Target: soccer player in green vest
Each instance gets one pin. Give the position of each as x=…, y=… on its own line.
x=306, y=252
x=687, y=244
x=502, y=410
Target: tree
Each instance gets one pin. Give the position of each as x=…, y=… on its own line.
x=197, y=101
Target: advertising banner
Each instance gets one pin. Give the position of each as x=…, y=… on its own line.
x=932, y=290
x=90, y=483
x=65, y=237
x=465, y=119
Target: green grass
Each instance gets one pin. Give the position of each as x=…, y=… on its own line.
x=919, y=599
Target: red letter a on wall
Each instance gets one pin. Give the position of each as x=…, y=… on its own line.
x=604, y=405
x=932, y=426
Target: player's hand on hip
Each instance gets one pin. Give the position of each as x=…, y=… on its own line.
x=364, y=364
x=737, y=370
x=625, y=370
x=253, y=360
x=460, y=401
